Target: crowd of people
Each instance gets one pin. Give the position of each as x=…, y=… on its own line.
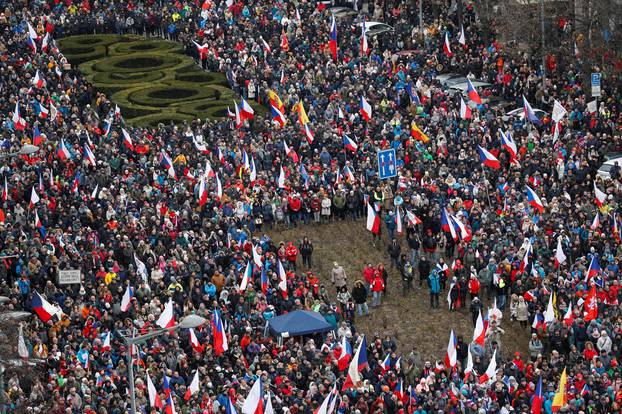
x=133, y=218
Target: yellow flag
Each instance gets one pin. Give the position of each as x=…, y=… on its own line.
x=418, y=134
x=560, y=396
x=275, y=100
x=303, y=119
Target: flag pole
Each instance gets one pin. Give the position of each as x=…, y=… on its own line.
x=485, y=180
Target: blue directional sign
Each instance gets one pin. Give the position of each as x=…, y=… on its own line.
x=386, y=164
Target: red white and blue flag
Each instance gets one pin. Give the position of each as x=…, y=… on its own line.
x=219, y=335
x=278, y=116
x=365, y=108
x=488, y=159
x=534, y=200
x=349, y=143
x=509, y=144
x=538, y=399
x=472, y=92
x=529, y=114
x=451, y=354
x=332, y=41
x=44, y=309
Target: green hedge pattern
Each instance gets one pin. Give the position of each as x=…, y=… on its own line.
x=151, y=80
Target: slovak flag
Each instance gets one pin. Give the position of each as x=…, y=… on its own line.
x=452, y=352
x=38, y=80
x=193, y=388
x=373, y=220
x=479, y=333
x=599, y=196
x=488, y=159
x=308, y=134
x=349, y=143
x=385, y=364
x=278, y=116
x=246, y=111
x=332, y=42
x=127, y=298
x=529, y=114
x=19, y=123
x=446, y=47
x=465, y=111
x=538, y=399
x=167, y=318
x=366, y=110
x=219, y=336
x=88, y=154
x=594, y=268
x=534, y=200
x=44, y=309
x=154, y=398
x=253, y=404
x=509, y=144
x=472, y=92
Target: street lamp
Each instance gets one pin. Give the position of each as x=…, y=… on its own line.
x=190, y=321
x=27, y=149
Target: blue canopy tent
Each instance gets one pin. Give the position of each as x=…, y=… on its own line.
x=298, y=323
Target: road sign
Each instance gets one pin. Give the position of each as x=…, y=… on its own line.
x=386, y=164
x=596, y=85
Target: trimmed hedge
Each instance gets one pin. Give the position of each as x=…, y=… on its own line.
x=151, y=80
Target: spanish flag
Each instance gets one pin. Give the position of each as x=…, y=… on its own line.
x=303, y=119
x=275, y=101
x=418, y=134
x=560, y=398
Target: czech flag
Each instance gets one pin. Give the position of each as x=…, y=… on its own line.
x=359, y=361
x=538, y=399
x=594, y=269
x=488, y=159
x=167, y=318
x=599, y=196
x=19, y=123
x=308, y=134
x=38, y=80
x=373, y=220
x=170, y=406
x=332, y=42
x=246, y=111
x=473, y=95
x=264, y=281
x=127, y=140
x=88, y=154
x=277, y=116
x=166, y=386
x=43, y=308
x=349, y=144
x=154, y=398
x=253, y=404
x=127, y=298
x=37, y=138
x=465, y=111
x=202, y=192
x=168, y=164
x=43, y=112
x=534, y=200
x=446, y=47
x=32, y=38
x=364, y=44
x=509, y=144
x=452, y=351
x=219, y=335
x=366, y=110
x=106, y=344
x=62, y=151
x=193, y=388
x=385, y=364
x=529, y=114
x=346, y=354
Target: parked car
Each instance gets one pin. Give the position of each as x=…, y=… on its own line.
x=520, y=112
x=603, y=170
x=375, y=28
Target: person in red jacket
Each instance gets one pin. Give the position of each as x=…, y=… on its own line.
x=377, y=287
x=368, y=275
x=291, y=253
x=295, y=203
x=474, y=286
